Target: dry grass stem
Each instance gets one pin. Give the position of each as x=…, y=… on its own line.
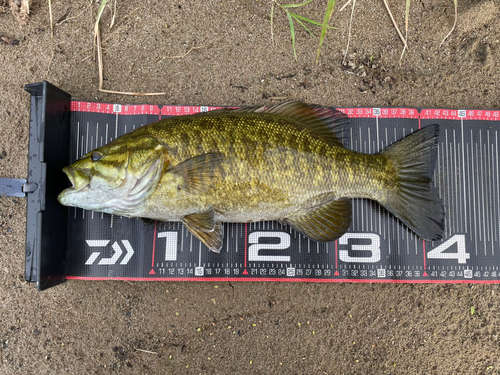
x=119, y=24
x=128, y=15
x=51, y=20
x=345, y=6
x=99, y=53
x=407, y=16
x=454, y=24
x=133, y=93
x=114, y=15
x=272, y=27
x=183, y=55
x=65, y=18
x=50, y=64
x=62, y=19
x=97, y=38
x=145, y=351
x=349, y=33
x=20, y=9
x=395, y=25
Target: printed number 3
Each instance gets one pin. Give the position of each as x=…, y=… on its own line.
x=373, y=247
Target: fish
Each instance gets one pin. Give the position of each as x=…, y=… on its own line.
x=286, y=162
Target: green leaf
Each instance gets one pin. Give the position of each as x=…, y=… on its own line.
x=328, y=14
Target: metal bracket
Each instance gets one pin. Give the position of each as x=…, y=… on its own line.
x=14, y=187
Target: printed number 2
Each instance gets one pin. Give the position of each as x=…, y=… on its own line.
x=461, y=255
x=256, y=246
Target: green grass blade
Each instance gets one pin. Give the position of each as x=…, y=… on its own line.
x=305, y=27
x=101, y=9
x=292, y=31
x=309, y=20
x=296, y=5
x=328, y=14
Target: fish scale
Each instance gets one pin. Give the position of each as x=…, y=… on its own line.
x=283, y=162
x=251, y=158
x=265, y=151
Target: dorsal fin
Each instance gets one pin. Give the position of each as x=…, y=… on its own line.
x=327, y=123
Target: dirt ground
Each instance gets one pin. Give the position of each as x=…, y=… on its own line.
x=94, y=327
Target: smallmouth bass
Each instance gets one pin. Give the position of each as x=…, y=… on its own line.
x=285, y=163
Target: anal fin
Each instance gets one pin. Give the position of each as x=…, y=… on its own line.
x=324, y=223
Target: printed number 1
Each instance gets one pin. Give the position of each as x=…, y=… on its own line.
x=170, y=245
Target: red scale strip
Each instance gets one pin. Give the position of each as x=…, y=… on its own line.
x=221, y=279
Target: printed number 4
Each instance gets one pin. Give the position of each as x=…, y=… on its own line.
x=460, y=255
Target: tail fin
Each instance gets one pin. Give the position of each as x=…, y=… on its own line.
x=414, y=201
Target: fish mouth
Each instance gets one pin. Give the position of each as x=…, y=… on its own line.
x=79, y=180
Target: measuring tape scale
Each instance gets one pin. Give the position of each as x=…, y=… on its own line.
x=377, y=247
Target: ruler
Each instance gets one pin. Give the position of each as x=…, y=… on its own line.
x=377, y=248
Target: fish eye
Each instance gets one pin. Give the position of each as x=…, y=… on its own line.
x=96, y=156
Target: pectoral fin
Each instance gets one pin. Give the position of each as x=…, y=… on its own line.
x=203, y=221
x=204, y=227
x=324, y=223
x=200, y=172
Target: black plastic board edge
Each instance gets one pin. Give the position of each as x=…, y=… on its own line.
x=46, y=221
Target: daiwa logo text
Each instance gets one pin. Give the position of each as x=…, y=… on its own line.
x=112, y=260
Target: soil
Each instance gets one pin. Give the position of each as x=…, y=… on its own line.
x=111, y=327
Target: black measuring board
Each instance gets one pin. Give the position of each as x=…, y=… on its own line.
x=377, y=248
